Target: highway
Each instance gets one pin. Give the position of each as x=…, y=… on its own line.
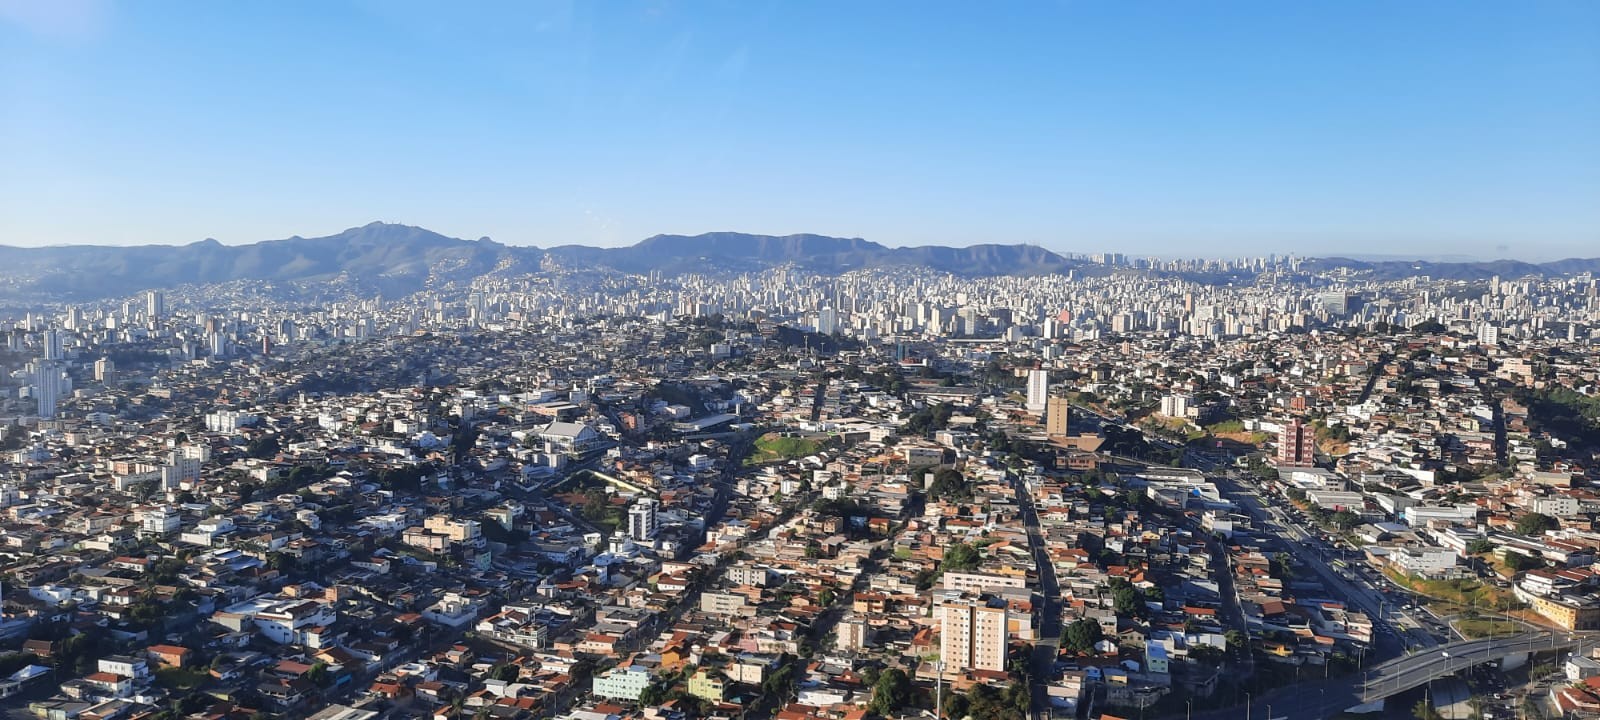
x=1404, y=673
x=1321, y=699
x=1388, y=621
x=1407, y=642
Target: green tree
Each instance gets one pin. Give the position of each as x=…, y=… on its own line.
x=319, y=674
x=1082, y=635
x=1479, y=546
x=949, y=485
x=961, y=557
x=777, y=684
x=1236, y=640
x=1344, y=519
x=956, y=706
x=1281, y=566
x=892, y=691
x=1519, y=562
x=653, y=694
x=264, y=447
x=1534, y=524
x=595, y=505
x=1126, y=599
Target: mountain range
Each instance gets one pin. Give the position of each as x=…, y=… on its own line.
x=398, y=259
x=394, y=260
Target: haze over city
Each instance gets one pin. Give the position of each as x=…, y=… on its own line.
x=1409, y=129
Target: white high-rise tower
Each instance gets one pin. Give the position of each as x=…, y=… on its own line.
x=1038, y=390
x=48, y=386
x=642, y=519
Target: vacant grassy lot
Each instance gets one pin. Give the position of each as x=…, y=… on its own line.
x=773, y=447
x=1461, y=593
x=1487, y=627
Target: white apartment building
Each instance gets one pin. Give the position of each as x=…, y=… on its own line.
x=624, y=683
x=1426, y=561
x=1038, y=390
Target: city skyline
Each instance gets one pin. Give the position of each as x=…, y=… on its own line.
x=1456, y=129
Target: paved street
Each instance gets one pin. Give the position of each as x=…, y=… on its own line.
x=1045, y=649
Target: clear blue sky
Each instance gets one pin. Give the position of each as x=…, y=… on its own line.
x=1176, y=128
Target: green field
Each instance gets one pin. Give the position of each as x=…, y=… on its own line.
x=1461, y=594
x=1487, y=627
x=773, y=447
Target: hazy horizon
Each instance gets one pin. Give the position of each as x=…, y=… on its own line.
x=1414, y=130
x=1438, y=257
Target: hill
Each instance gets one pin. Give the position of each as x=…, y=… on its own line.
x=393, y=260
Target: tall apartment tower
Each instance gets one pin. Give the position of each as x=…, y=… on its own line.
x=972, y=633
x=49, y=384
x=642, y=519
x=1297, y=444
x=1057, y=416
x=105, y=371
x=51, y=340
x=155, y=305
x=1038, y=390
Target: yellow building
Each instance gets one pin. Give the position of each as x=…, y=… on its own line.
x=708, y=684
x=1570, y=612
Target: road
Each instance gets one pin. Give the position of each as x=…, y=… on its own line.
x=1404, y=673
x=1041, y=667
x=1324, y=698
x=1387, y=620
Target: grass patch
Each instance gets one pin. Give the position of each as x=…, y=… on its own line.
x=1486, y=627
x=610, y=521
x=1226, y=427
x=180, y=678
x=773, y=447
x=1465, y=593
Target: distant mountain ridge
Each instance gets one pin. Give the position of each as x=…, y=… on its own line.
x=1478, y=270
x=394, y=260
x=743, y=251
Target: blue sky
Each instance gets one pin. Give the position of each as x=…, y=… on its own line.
x=1172, y=128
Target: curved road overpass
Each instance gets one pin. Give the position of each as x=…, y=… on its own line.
x=1404, y=673
x=1321, y=699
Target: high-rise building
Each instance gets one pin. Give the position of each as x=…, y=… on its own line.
x=1176, y=405
x=155, y=305
x=1038, y=389
x=642, y=519
x=827, y=321
x=1337, y=303
x=51, y=340
x=49, y=384
x=105, y=371
x=1057, y=416
x=1297, y=444
x=972, y=631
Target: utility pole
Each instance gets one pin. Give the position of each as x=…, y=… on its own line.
x=938, y=690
